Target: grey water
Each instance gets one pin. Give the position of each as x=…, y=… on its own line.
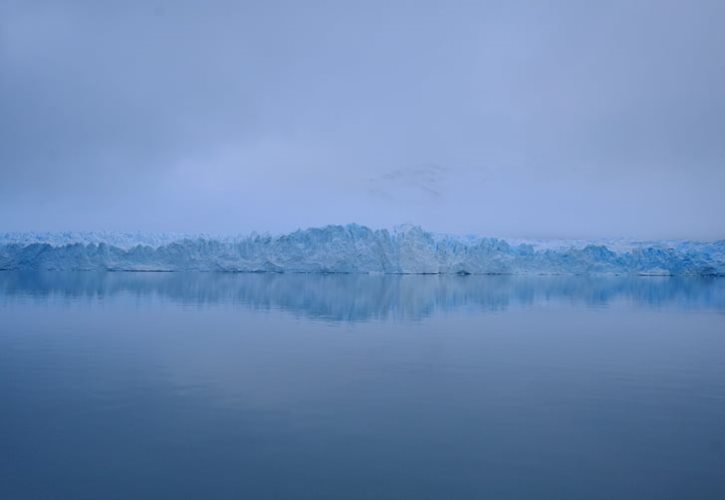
x=203, y=385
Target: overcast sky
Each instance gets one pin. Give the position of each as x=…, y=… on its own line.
x=503, y=118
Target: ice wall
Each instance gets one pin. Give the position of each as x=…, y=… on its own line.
x=356, y=249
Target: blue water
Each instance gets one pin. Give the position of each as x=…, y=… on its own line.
x=170, y=385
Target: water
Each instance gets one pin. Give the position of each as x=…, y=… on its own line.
x=166, y=385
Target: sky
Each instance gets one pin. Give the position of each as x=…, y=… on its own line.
x=561, y=119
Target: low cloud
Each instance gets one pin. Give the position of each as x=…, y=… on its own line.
x=428, y=181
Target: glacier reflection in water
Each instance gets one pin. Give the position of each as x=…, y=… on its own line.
x=216, y=385
x=360, y=297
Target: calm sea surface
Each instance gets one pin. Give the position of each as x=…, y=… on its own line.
x=172, y=385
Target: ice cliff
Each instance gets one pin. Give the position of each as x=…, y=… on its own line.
x=355, y=249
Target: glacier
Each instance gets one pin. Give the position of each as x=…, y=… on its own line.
x=355, y=248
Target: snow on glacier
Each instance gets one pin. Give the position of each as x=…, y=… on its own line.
x=355, y=249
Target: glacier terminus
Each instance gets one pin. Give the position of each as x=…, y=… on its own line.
x=355, y=248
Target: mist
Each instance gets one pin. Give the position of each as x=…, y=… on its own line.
x=513, y=119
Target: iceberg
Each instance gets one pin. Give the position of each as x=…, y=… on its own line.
x=356, y=249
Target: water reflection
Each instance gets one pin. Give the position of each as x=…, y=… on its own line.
x=363, y=297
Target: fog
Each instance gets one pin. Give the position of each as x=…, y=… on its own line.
x=519, y=119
